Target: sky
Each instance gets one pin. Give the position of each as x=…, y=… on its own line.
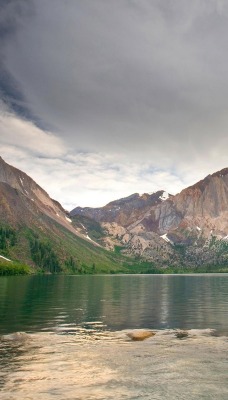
x=100, y=99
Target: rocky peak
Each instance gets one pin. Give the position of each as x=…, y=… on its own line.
x=223, y=172
x=204, y=183
x=19, y=180
x=208, y=197
x=202, y=207
x=33, y=193
x=124, y=211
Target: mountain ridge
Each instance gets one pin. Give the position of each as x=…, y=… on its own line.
x=186, y=230
x=191, y=218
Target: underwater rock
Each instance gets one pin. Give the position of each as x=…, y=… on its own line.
x=181, y=334
x=138, y=335
x=16, y=336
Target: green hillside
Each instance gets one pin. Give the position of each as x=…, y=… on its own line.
x=63, y=253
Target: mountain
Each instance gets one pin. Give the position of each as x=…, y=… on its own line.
x=150, y=232
x=202, y=207
x=36, y=230
x=123, y=211
x=190, y=228
x=30, y=197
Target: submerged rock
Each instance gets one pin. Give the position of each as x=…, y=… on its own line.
x=16, y=336
x=138, y=335
x=181, y=334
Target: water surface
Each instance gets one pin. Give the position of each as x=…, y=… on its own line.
x=76, y=343
x=38, y=303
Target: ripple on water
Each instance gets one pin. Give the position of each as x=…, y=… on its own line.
x=93, y=364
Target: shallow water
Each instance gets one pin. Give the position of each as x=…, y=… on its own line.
x=76, y=344
x=111, y=366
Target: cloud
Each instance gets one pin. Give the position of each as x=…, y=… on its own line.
x=87, y=178
x=114, y=97
x=74, y=178
x=120, y=76
x=23, y=134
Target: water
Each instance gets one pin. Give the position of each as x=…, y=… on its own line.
x=76, y=343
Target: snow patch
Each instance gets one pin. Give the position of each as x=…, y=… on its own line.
x=198, y=228
x=32, y=199
x=7, y=259
x=68, y=219
x=91, y=240
x=164, y=196
x=21, y=181
x=225, y=238
x=165, y=238
x=86, y=235
x=57, y=214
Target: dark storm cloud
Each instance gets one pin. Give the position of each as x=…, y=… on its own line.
x=13, y=15
x=125, y=73
x=146, y=80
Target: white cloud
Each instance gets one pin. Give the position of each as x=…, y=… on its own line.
x=20, y=133
x=73, y=178
x=93, y=179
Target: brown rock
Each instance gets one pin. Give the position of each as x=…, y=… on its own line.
x=140, y=335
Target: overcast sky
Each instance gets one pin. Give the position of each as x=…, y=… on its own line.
x=104, y=98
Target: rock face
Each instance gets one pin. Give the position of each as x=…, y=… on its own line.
x=123, y=211
x=36, y=230
x=32, y=193
x=205, y=204
x=23, y=199
x=152, y=226
x=201, y=207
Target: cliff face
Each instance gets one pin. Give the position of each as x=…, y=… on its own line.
x=206, y=204
x=154, y=225
x=203, y=206
x=125, y=211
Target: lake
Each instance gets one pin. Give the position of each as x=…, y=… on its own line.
x=69, y=337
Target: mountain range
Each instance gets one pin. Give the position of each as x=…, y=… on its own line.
x=140, y=233
x=190, y=228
